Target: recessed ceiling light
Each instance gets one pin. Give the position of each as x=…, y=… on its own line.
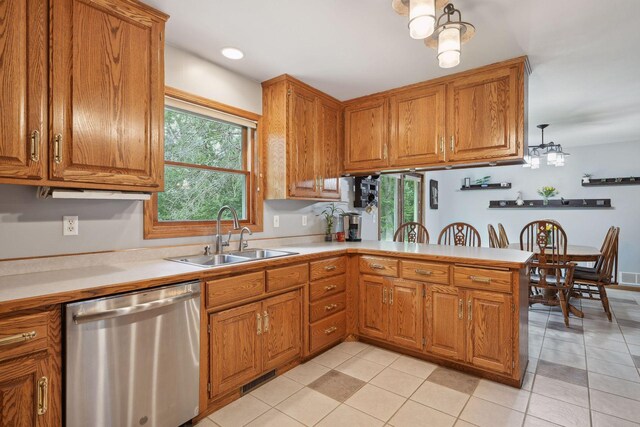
x=232, y=53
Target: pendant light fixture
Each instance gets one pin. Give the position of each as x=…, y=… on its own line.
x=446, y=34
x=554, y=153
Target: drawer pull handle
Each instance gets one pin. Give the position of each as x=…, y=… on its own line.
x=43, y=395
x=13, y=339
x=384, y=295
x=423, y=272
x=330, y=287
x=259, y=324
x=470, y=309
x=390, y=296
x=330, y=267
x=460, y=309
x=330, y=330
x=265, y=316
x=480, y=279
x=377, y=266
x=330, y=307
x=35, y=146
x=57, y=149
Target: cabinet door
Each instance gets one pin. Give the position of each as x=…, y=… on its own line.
x=302, y=140
x=25, y=393
x=444, y=323
x=235, y=347
x=405, y=313
x=483, y=115
x=329, y=148
x=373, y=306
x=366, y=134
x=417, y=127
x=282, y=326
x=23, y=79
x=489, y=330
x=107, y=94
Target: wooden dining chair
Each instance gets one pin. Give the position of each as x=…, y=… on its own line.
x=502, y=236
x=590, y=283
x=459, y=234
x=412, y=232
x=494, y=241
x=550, y=275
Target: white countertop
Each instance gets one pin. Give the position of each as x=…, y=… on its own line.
x=55, y=282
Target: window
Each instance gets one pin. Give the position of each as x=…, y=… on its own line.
x=400, y=201
x=210, y=160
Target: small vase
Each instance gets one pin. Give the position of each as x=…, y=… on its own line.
x=328, y=237
x=545, y=201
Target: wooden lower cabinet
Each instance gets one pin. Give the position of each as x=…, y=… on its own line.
x=444, y=325
x=24, y=387
x=254, y=338
x=391, y=309
x=489, y=330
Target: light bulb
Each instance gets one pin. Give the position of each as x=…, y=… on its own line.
x=449, y=47
x=422, y=18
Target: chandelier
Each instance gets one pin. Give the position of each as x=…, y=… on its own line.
x=446, y=34
x=553, y=152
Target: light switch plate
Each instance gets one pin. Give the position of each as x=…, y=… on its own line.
x=304, y=220
x=276, y=221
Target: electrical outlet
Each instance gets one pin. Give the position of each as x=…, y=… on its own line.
x=69, y=225
x=304, y=220
x=276, y=221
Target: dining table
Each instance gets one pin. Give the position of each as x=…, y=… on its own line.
x=575, y=253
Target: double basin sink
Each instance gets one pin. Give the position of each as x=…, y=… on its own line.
x=231, y=257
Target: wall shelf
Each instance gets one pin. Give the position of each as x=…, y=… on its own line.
x=497, y=186
x=553, y=204
x=598, y=182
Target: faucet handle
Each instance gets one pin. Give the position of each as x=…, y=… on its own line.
x=228, y=240
x=207, y=250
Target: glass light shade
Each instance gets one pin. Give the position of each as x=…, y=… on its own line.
x=535, y=162
x=527, y=161
x=449, y=47
x=422, y=18
x=560, y=159
x=551, y=158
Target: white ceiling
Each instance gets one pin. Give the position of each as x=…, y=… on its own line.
x=585, y=54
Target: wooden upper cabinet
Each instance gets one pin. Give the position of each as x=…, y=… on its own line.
x=417, y=127
x=373, y=296
x=405, y=313
x=329, y=147
x=366, y=134
x=489, y=330
x=485, y=113
x=107, y=93
x=23, y=86
x=302, y=138
x=301, y=131
x=444, y=324
x=282, y=329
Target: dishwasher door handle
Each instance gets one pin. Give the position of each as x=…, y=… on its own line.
x=79, y=318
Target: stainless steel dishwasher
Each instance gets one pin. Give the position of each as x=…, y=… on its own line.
x=133, y=359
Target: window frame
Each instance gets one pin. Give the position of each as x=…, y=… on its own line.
x=252, y=159
x=399, y=213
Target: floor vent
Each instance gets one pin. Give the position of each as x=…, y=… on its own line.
x=258, y=381
x=629, y=278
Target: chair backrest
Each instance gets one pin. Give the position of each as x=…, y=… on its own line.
x=412, y=232
x=459, y=234
x=502, y=235
x=494, y=241
x=606, y=261
x=547, y=238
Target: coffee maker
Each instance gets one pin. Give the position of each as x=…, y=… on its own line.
x=353, y=226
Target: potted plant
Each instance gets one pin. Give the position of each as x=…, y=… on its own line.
x=329, y=213
x=546, y=193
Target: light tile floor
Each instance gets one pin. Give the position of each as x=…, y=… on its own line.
x=588, y=374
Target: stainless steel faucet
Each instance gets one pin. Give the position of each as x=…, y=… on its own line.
x=236, y=226
x=242, y=245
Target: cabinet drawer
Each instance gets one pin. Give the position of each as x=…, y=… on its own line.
x=328, y=267
x=235, y=288
x=425, y=272
x=286, y=277
x=379, y=266
x=23, y=334
x=327, y=331
x=482, y=278
x=327, y=306
x=325, y=287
